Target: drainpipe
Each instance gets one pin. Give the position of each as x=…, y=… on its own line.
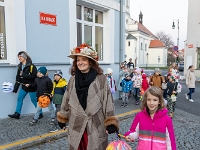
x=121, y=56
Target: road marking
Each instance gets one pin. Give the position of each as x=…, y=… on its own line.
x=40, y=137
x=128, y=113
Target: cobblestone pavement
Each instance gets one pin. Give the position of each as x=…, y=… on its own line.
x=187, y=127
x=13, y=130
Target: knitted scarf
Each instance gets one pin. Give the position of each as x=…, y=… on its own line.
x=82, y=83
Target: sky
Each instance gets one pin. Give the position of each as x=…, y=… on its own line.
x=158, y=15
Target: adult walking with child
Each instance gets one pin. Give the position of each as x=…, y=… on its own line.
x=26, y=74
x=87, y=104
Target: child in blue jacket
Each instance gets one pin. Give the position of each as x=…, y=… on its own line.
x=126, y=85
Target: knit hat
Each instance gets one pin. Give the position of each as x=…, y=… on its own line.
x=157, y=70
x=22, y=54
x=126, y=75
x=58, y=72
x=42, y=70
x=109, y=71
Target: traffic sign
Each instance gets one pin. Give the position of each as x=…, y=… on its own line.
x=175, y=48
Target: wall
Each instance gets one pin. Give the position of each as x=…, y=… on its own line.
x=193, y=35
x=50, y=45
x=153, y=57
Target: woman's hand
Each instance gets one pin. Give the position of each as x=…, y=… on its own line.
x=174, y=92
x=129, y=139
x=27, y=85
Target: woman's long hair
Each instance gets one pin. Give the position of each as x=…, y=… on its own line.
x=157, y=92
x=92, y=63
x=28, y=57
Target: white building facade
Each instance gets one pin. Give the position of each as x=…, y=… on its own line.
x=47, y=31
x=192, y=44
x=138, y=45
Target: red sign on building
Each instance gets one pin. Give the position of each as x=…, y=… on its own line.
x=48, y=19
x=190, y=45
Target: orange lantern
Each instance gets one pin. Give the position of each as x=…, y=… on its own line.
x=43, y=101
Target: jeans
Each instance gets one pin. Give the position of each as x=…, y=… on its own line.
x=125, y=97
x=51, y=109
x=137, y=94
x=58, y=106
x=191, y=90
x=22, y=94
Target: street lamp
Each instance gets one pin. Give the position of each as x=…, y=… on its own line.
x=147, y=60
x=173, y=27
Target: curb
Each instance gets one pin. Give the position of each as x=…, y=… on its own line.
x=29, y=142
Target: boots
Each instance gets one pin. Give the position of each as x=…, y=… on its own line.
x=15, y=115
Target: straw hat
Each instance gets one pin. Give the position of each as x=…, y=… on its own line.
x=84, y=50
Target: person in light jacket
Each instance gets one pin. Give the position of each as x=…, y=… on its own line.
x=87, y=104
x=190, y=82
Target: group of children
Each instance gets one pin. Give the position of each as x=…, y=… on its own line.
x=136, y=81
x=53, y=89
x=153, y=117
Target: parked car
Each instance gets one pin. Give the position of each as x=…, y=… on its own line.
x=181, y=66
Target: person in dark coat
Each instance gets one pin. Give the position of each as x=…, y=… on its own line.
x=26, y=74
x=44, y=87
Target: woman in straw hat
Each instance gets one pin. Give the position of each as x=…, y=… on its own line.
x=87, y=104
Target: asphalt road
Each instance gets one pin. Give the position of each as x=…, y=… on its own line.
x=182, y=103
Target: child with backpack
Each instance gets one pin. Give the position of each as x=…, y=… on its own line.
x=59, y=87
x=44, y=87
x=126, y=85
x=110, y=79
x=170, y=94
x=137, y=80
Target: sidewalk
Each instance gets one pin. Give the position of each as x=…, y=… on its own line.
x=18, y=134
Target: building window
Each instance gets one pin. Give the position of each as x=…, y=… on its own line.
x=145, y=47
x=129, y=43
x=88, y=14
x=141, y=46
x=78, y=12
x=3, y=50
x=198, y=58
x=90, y=28
x=98, y=17
x=1, y=0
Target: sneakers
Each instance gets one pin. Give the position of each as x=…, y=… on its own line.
x=191, y=100
x=137, y=103
x=52, y=121
x=33, y=122
x=125, y=105
x=15, y=115
x=186, y=96
x=40, y=116
x=122, y=105
x=54, y=129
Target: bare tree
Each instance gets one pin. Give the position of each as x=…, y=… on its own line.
x=166, y=39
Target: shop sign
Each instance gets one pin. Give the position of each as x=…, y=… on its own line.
x=48, y=19
x=2, y=45
x=190, y=45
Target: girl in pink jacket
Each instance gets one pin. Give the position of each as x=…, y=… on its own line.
x=152, y=126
